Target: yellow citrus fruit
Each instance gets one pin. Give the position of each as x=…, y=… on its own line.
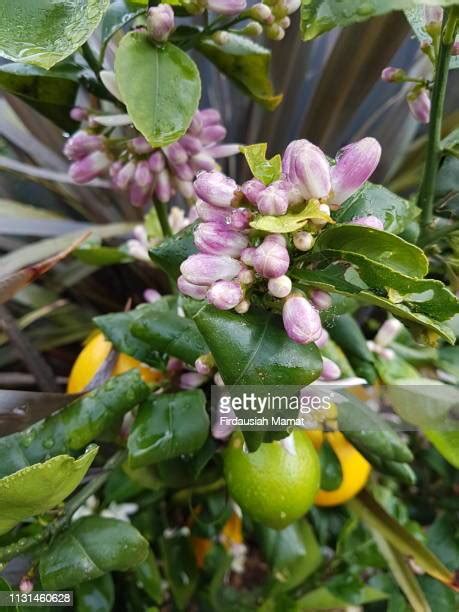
x=93, y=355
x=355, y=468
x=277, y=483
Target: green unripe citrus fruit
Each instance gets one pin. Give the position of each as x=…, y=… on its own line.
x=277, y=483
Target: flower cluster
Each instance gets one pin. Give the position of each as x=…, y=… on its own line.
x=418, y=97
x=271, y=17
x=236, y=264
x=136, y=167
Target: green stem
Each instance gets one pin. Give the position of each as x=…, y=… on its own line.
x=91, y=59
x=25, y=544
x=429, y=237
x=427, y=190
x=161, y=211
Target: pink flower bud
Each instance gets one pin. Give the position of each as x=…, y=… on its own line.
x=240, y=218
x=142, y=175
x=322, y=339
x=216, y=239
x=216, y=189
x=209, y=116
x=330, y=370
x=176, y=153
x=192, y=380
x=252, y=190
x=207, y=212
x=151, y=296
x=79, y=114
x=354, y=165
x=157, y=162
x=271, y=260
x=114, y=169
x=226, y=7
x=273, y=200
x=304, y=241
x=203, y=269
x=174, y=365
x=392, y=75
x=223, y=150
x=246, y=276
x=242, y=307
x=301, y=320
x=369, y=221
x=140, y=195
x=197, y=292
x=204, y=364
x=160, y=22
x=248, y=255
x=225, y=295
x=221, y=430
x=182, y=171
x=212, y=134
x=388, y=331
x=26, y=585
x=419, y=104
x=203, y=161
x=163, y=188
x=89, y=167
x=307, y=169
x=321, y=299
x=191, y=144
x=81, y=144
x=280, y=287
x=277, y=238
x=433, y=15
x=185, y=188
x=125, y=175
x=140, y=146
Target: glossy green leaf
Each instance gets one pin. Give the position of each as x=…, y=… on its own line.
x=247, y=64
x=428, y=404
x=331, y=473
x=95, y=595
x=369, y=432
x=265, y=170
x=91, y=547
x=293, y=553
x=94, y=255
x=395, y=212
x=160, y=86
x=254, y=349
x=347, y=334
x=168, y=426
x=40, y=487
x=180, y=567
x=5, y=587
x=323, y=598
x=440, y=541
x=149, y=579
x=170, y=334
x=336, y=278
x=116, y=327
x=50, y=92
x=44, y=32
x=320, y=16
x=118, y=14
x=174, y=250
x=73, y=427
x=291, y=222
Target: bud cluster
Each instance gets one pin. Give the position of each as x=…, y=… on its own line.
x=141, y=170
x=274, y=16
x=237, y=265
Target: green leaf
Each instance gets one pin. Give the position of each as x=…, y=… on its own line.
x=443, y=539
x=369, y=432
x=245, y=63
x=117, y=328
x=44, y=32
x=323, y=598
x=331, y=474
x=265, y=170
x=51, y=92
x=375, y=517
x=160, y=87
x=118, y=14
x=429, y=405
x=101, y=255
x=170, y=334
x=291, y=222
x=335, y=278
x=174, y=250
x=95, y=595
x=395, y=212
x=40, y=487
x=73, y=427
x=320, y=16
x=91, y=547
x=417, y=21
x=254, y=349
x=149, y=579
x=168, y=426
x=180, y=567
x=293, y=553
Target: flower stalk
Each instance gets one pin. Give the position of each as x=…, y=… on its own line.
x=427, y=189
